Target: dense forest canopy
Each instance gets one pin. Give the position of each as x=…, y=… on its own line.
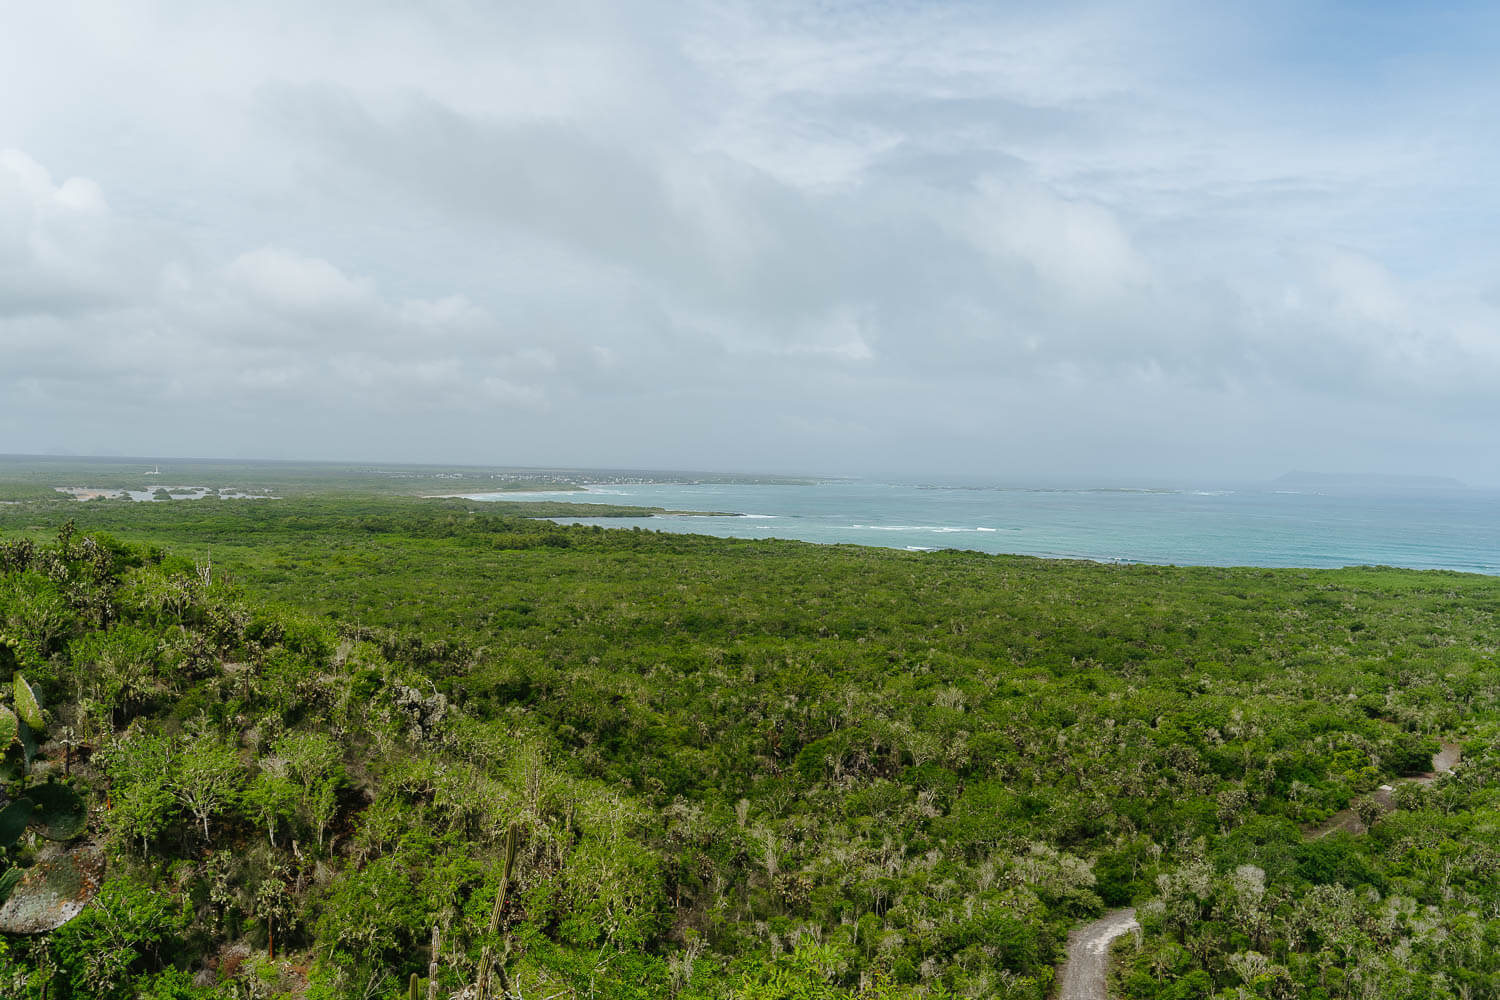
x=306, y=734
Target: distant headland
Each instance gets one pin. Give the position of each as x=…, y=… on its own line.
x=1362, y=480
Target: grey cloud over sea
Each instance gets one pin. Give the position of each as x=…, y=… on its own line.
x=955, y=238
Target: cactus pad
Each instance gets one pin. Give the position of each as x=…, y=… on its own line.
x=13, y=820
x=28, y=706
x=53, y=891
x=60, y=812
x=27, y=739
x=9, y=727
x=12, y=764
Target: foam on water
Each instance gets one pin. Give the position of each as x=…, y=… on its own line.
x=941, y=529
x=1426, y=529
x=522, y=496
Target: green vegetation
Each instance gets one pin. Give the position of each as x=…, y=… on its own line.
x=39, y=478
x=384, y=738
x=33, y=477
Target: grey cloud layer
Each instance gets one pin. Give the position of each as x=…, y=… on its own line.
x=842, y=238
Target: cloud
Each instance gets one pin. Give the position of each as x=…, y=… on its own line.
x=902, y=234
x=58, y=245
x=1079, y=248
x=304, y=287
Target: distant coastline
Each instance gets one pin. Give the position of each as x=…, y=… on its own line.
x=1367, y=480
x=1311, y=527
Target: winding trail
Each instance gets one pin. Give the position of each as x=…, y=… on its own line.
x=1085, y=973
x=1443, y=762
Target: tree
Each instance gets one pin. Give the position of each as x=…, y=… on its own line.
x=272, y=795
x=121, y=666
x=142, y=803
x=207, y=776
x=1369, y=809
x=316, y=768
x=273, y=903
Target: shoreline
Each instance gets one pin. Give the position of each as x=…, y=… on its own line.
x=500, y=496
x=476, y=495
x=1122, y=562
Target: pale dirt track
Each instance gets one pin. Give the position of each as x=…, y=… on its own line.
x=1443, y=762
x=1083, y=974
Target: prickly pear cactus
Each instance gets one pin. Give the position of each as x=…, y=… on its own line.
x=28, y=706
x=13, y=820
x=27, y=739
x=60, y=813
x=53, y=891
x=62, y=882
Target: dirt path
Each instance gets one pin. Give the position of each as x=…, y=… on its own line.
x=1443, y=762
x=1083, y=974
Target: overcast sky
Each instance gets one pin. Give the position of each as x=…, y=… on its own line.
x=1120, y=241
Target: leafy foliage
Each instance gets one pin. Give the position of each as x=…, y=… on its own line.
x=741, y=769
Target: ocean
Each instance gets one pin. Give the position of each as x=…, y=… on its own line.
x=1263, y=526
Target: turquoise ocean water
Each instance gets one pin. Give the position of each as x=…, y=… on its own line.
x=1424, y=529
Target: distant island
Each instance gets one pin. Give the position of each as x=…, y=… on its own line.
x=1347, y=480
